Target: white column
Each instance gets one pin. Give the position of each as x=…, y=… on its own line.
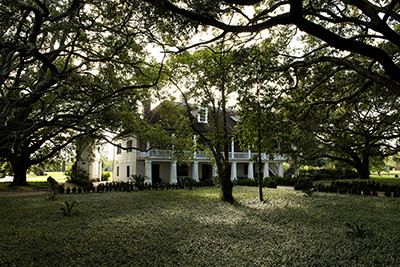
x=195, y=141
x=148, y=149
x=250, y=172
x=173, y=176
x=233, y=171
x=233, y=148
x=148, y=171
x=214, y=170
x=266, y=169
x=195, y=171
x=280, y=169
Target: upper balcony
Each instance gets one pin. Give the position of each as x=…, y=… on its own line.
x=239, y=156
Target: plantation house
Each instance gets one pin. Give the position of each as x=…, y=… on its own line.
x=159, y=165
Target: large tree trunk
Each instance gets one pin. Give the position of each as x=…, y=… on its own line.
x=20, y=167
x=363, y=168
x=226, y=183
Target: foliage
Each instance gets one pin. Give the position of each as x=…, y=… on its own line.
x=54, y=188
x=68, y=207
x=78, y=176
x=358, y=132
x=206, y=79
x=303, y=184
x=287, y=229
x=139, y=181
x=68, y=70
x=327, y=174
x=357, y=36
x=105, y=176
x=357, y=230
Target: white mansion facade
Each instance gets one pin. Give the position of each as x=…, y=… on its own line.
x=160, y=166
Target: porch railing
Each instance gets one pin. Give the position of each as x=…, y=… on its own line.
x=163, y=154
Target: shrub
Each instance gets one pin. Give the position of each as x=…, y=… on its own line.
x=356, y=230
x=51, y=195
x=139, y=181
x=270, y=182
x=61, y=189
x=388, y=192
x=68, y=207
x=53, y=191
x=105, y=176
x=303, y=184
x=78, y=176
x=328, y=174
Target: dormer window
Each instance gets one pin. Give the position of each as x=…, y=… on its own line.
x=202, y=115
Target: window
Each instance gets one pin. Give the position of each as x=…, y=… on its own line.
x=127, y=171
x=129, y=146
x=119, y=149
x=117, y=170
x=202, y=115
x=182, y=170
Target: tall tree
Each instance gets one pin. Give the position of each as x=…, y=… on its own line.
x=206, y=81
x=356, y=131
x=66, y=68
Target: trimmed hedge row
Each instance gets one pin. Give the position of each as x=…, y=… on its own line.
x=328, y=174
x=300, y=183
x=359, y=188
x=183, y=183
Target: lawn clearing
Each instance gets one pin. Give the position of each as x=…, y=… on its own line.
x=194, y=228
x=58, y=176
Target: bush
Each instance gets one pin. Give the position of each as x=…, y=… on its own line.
x=270, y=182
x=303, y=184
x=139, y=181
x=105, y=176
x=68, y=207
x=328, y=174
x=78, y=176
x=54, y=188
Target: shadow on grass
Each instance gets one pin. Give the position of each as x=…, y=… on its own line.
x=195, y=228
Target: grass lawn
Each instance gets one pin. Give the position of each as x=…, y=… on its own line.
x=194, y=228
x=59, y=176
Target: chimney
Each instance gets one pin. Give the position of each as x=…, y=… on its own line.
x=146, y=107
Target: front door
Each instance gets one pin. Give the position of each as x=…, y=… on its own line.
x=155, y=173
x=206, y=172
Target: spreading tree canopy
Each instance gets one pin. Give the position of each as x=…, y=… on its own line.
x=345, y=30
x=358, y=131
x=68, y=69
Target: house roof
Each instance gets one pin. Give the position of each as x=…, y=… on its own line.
x=167, y=111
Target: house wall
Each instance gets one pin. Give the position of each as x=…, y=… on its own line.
x=124, y=159
x=140, y=167
x=90, y=163
x=139, y=164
